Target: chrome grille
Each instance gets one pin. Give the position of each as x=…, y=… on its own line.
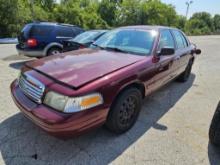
x=31, y=87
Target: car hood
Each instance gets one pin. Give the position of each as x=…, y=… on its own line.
x=77, y=68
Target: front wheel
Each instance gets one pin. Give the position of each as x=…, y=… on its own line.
x=125, y=110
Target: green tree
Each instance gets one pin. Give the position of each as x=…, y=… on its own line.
x=68, y=12
x=151, y=12
x=128, y=13
x=181, y=22
x=107, y=10
x=200, y=23
x=216, y=21
x=78, y=13
x=154, y=12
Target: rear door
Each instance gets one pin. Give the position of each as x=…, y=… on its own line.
x=165, y=67
x=183, y=50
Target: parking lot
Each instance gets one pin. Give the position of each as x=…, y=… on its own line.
x=172, y=127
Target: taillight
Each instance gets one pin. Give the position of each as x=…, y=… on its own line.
x=32, y=42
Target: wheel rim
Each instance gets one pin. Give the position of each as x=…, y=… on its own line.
x=55, y=52
x=127, y=111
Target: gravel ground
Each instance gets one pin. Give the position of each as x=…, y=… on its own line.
x=172, y=127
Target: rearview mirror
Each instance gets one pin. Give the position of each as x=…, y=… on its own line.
x=166, y=51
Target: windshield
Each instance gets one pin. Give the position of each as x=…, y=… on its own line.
x=86, y=37
x=138, y=42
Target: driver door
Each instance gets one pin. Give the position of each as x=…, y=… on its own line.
x=167, y=64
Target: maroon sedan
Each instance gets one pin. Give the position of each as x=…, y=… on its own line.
x=68, y=94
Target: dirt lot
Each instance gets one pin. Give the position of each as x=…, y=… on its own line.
x=172, y=127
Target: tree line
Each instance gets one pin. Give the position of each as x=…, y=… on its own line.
x=101, y=14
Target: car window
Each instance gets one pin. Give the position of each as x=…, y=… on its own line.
x=63, y=31
x=166, y=40
x=184, y=40
x=179, y=39
x=86, y=37
x=78, y=30
x=134, y=41
x=41, y=30
x=25, y=32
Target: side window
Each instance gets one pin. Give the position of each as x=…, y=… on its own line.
x=65, y=32
x=41, y=30
x=179, y=39
x=77, y=30
x=166, y=40
x=184, y=40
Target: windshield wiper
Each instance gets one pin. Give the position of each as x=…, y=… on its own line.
x=97, y=46
x=116, y=49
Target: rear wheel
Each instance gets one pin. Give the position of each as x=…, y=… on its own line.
x=214, y=130
x=185, y=75
x=125, y=110
x=53, y=51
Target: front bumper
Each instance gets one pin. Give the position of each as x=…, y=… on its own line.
x=56, y=123
x=30, y=53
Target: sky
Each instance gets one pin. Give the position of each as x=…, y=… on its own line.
x=211, y=6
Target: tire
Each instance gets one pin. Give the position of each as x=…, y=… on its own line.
x=53, y=51
x=124, y=111
x=186, y=74
x=214, y=130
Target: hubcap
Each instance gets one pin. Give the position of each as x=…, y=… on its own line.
x=127, y=111
x=55, y=52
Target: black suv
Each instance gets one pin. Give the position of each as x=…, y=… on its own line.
x=44, y=38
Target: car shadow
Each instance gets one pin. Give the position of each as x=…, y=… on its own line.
x=21, y=142
x=18, y=64
x=213, y=154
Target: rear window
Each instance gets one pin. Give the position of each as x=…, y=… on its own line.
x=25, y=31
x=180, y=39
x=39, y=30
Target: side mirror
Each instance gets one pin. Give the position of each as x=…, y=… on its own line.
x=166, y=51
x=198, y=51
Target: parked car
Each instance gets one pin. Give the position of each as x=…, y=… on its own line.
x=43, y=38
x=76, y=91
x=214, y=131
x=83, y=40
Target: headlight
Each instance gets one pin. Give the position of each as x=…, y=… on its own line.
x=75, y=104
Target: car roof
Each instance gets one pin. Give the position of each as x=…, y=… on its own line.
x=52, y=24
x=97, y=30
x=146, y=27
